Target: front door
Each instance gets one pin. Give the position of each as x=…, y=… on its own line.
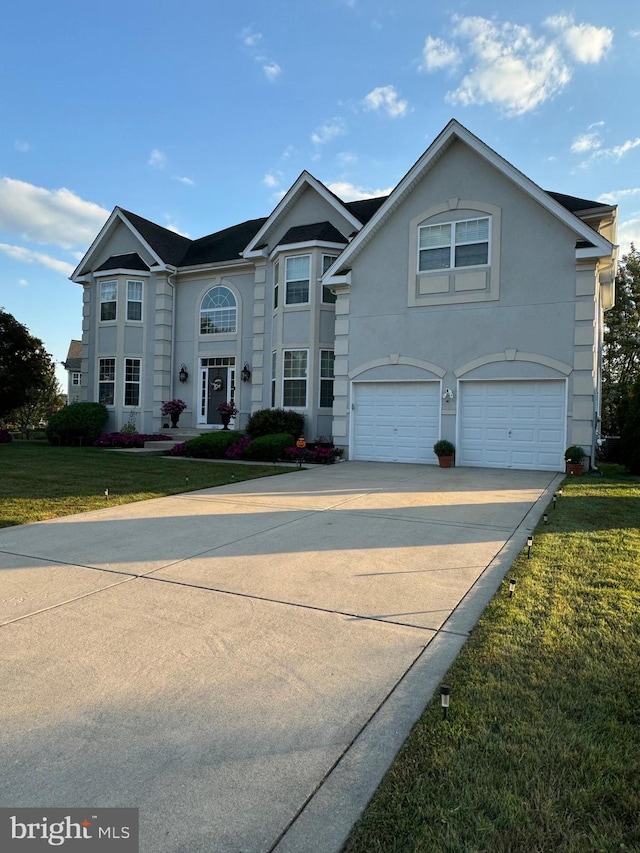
x=217, y=385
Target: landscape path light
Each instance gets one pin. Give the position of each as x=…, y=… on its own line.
x=512, y=586
x=555, y=498
x=529, y=546
x=445, y=692
x=545, y=516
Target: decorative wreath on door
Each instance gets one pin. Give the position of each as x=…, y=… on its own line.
x=217, y=384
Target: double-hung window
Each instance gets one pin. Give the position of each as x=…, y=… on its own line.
x=276, y=283
x=76, y=378
x=132, y=381
x=106, y=381
x=297, y=274
x=327, y=296
x=451, y=245
x=108, y=300
x=294, y=382
x=134, y=300
x=326, y=378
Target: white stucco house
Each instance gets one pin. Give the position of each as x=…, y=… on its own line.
x=467, y=304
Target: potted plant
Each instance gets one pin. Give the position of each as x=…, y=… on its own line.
x=445, y=451
x=174, y=408
x=573, y=457
x=227, y=411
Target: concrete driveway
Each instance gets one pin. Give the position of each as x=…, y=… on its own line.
x=242, y=663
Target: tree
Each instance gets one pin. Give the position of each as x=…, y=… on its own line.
x=42, y=402
x=24, y=364
x=621, y=353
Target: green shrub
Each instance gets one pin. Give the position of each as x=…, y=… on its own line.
x=275, y=421
x=79, y=423
x=212, y=445
x=629, y=416
x=443, y=448
x=269, y=448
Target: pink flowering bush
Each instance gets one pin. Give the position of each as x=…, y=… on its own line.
x=127, y=440
x=237, y=449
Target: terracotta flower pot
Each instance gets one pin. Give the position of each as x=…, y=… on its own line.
x=575, y=468
x=445, y=461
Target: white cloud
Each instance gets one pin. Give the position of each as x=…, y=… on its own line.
x=617, y=196
x=347, y=158
x=184, y=180
x=157, y=159
x=23, y=282
x=628, y=233
x=28, y=256
x=328, y=131
x=22, y=146
x=57, y=217
x=438, y=54
x=585, y=142
x=509, y=66
x=270, y=180
x=615, y=153
x=350, y=192
x=385, y=99
x=249, y=38
x=272, y=70
x=586, y=42
x=171, y=227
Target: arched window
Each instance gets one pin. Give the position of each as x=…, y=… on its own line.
x=218, y=312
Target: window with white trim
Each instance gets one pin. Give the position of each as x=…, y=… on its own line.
x=76, y=378
x=106, y=381
x=132, y=381
x=108, y=300
x=451, y=245
x=326, y=378
x=273, y=379
x=276, y=283
x=327, y=296
x=294, y=378
x=218, y=312
x=297, y=274
x=134, y=300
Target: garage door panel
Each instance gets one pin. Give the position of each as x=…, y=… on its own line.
x=532, y=419
x=396, y=422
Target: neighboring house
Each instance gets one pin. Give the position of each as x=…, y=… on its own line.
x=468, y=304
x=73, y=366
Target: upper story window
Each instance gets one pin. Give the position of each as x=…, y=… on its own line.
x=451, y=245
x=134, y=300
x=297, y=274
x=276, y=283
x=327, y=296
x=76, y=378
x=108, y=299
x=218, y=312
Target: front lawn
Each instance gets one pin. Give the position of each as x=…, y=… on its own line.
x=40, y=481
x=541, y=751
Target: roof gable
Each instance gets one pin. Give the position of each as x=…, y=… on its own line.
x=556, y=204
x=304, y=183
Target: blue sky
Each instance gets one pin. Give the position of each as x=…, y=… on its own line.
x=199, y=115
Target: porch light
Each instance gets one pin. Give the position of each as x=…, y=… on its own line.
x=448, y=395
x=512, y=587
x=183, y=375
x=245, y=373
x=445, y=692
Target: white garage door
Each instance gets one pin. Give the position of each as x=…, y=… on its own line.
x=396, y=421
x=512, y=424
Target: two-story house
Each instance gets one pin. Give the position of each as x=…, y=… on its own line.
x=468, y=304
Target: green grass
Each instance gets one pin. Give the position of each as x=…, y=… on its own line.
x=39, y=481
x=541, y=751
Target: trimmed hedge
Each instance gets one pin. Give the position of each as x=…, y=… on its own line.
x=268, y=448
x=79, y=422
x=212, y=445
x=275, y=421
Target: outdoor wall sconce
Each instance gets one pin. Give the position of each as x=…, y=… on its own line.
x=183, y=375
x=245, y=373
x=448, y=395
x=512, y=586
x=445, y=692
